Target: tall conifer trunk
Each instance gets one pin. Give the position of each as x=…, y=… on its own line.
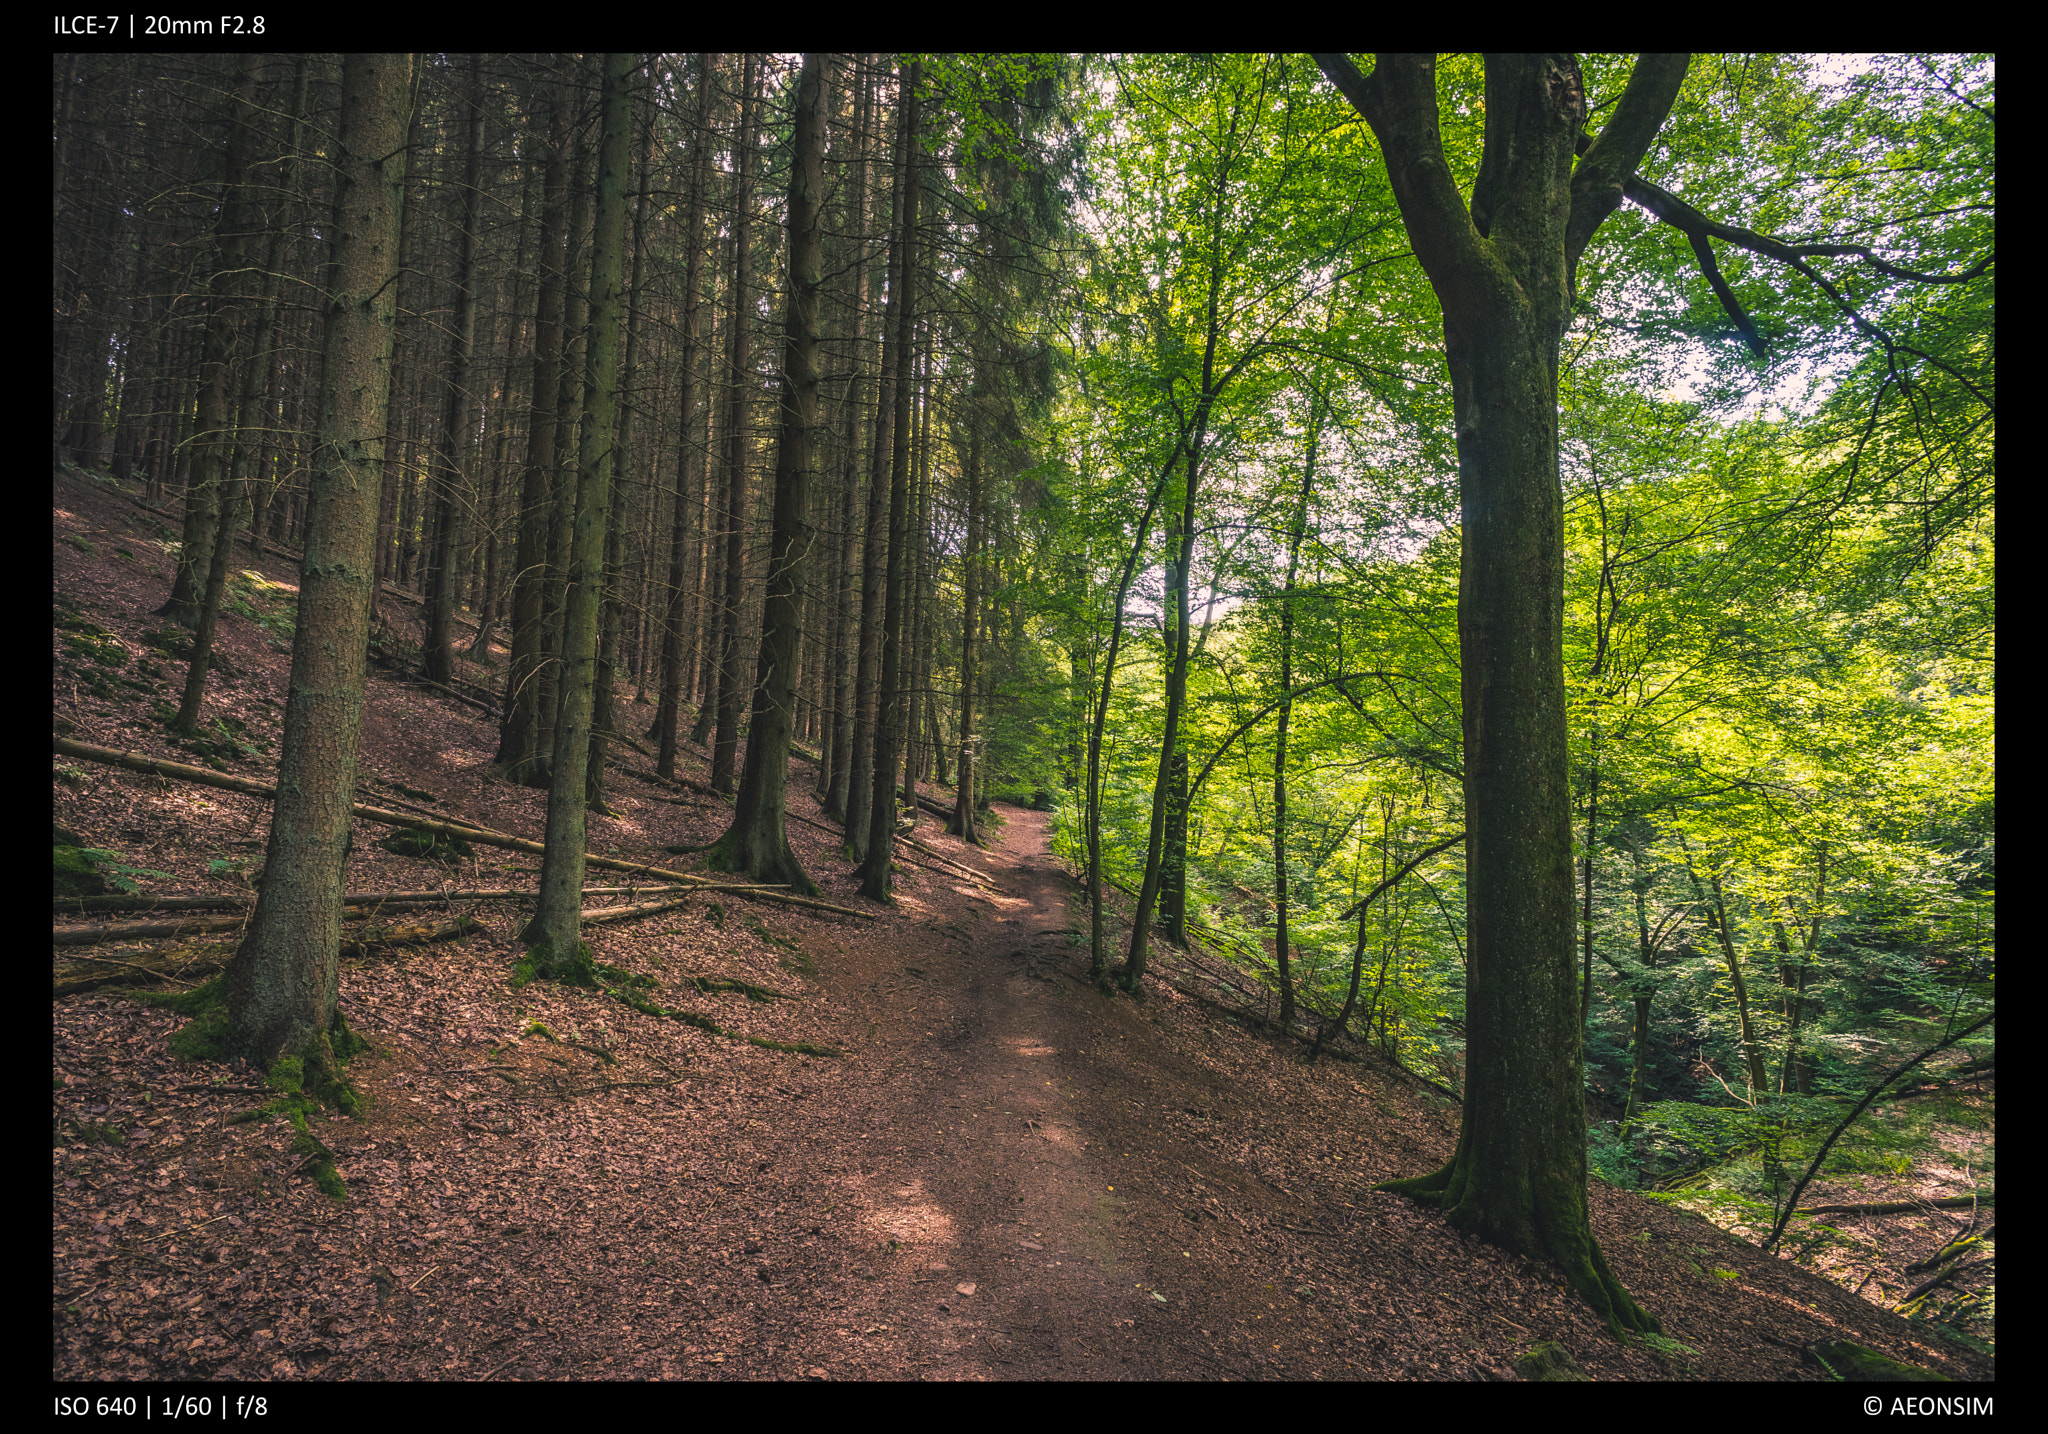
x=437, y=658
x=875, y=881
x=284, y=982
x=725, y=743
x=875, y=541
x=553, y=935
x=757, y=842
x=522, y=750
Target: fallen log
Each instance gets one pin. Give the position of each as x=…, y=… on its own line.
x=1901, y=1207
x=84, y=904
x=966, y=871
x=136, y=762
x=142, y=930
x=595, y=916
x=70, y=979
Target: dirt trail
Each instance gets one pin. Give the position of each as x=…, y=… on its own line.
x=997, y=1177
x=1135, y=1190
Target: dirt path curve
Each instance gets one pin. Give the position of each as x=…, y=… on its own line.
x=1012, y=1118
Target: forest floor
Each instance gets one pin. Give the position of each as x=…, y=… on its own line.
x=1005, y=1175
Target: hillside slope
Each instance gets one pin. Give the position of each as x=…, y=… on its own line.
x=1004, y=1175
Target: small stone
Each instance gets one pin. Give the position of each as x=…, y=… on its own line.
x=966, y=1289
x=815, y=1372
x=1031, y=1244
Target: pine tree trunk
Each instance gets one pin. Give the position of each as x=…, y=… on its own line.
x=876, y=882
x=284, y=982
x=205, y=500
x=757, y=843
x=875, y=548
x=725, y=743
x=553, y=936
x=520, y=746
x=962, y=822
x=837, y=687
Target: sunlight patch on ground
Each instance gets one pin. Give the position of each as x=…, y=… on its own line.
x=912, y=1219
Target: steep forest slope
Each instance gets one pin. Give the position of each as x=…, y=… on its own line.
x=996, y=1172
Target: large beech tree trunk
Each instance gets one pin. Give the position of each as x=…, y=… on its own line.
x=1503, y=273
x=285, y=980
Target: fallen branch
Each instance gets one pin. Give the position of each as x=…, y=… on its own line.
x=153, y=975
x=141, y=930
x=68, y=979
x=597, y=916
x=966, y=871
x=1902, y=1207
x=365, y=898
x=411, y=935
x=134, y=761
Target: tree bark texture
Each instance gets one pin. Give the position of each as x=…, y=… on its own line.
x=726, y=741
x=874, y=871
x=1502, y=271
x=284, y=982
x=875, y=540
x=553, y=935
x=757, y=842
x=520, y=739
x=673, y=670
x=437, y=656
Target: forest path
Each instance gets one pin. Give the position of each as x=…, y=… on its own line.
x=1004, y=1173
x=1025, y=1150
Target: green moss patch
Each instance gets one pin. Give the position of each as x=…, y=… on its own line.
x=74, y=874
x=625, y=987
x=1549, y=1363
x=305, y=1083
x=1856, y=1363
x=429, y=846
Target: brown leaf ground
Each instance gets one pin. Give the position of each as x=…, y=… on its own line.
x=1006, y=1176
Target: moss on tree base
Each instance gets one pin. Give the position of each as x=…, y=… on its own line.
x=304, y=1083
x=543, y=961
x=769, y=860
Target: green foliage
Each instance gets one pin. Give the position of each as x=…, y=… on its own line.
x=76, y=868
x=271, y=606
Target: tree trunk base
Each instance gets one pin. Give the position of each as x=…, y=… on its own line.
x=570, y=965
x=1538, y=1232
x=768, y=861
